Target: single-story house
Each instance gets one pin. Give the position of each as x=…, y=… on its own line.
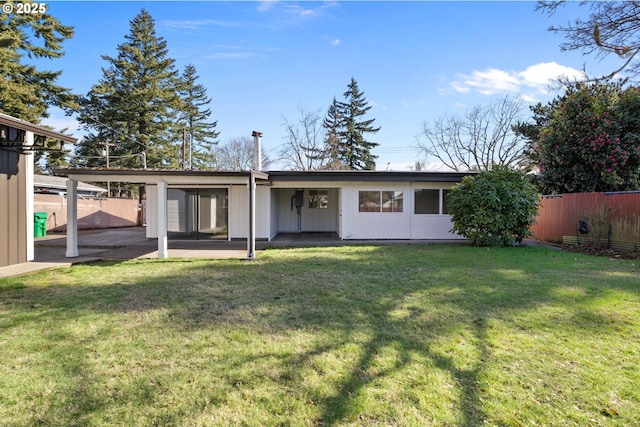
x=18, y=141
x=259, y=205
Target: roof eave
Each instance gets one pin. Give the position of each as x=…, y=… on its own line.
x=36, y=129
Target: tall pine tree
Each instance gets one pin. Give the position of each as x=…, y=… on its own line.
x=332, y=123
x=193, y=117
x=134, y=104
x=346, y=129
x=25, y=91
x=354, y=149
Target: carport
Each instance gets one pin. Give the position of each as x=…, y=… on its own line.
x=157, y=183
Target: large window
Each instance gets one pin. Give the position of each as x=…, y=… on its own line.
x=380, y=201
x=428, y=201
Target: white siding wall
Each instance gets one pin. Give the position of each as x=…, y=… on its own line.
x=151, y=210
x=431, y=226
x=273, y=195
x=312, y=220
x=273, y=212
x=239, y=212
x=374, y=225
x=263, y=209
x=391, y=225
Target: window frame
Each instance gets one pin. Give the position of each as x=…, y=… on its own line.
x=320, y=194
x=442, y=205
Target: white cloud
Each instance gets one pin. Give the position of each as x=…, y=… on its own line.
x=237, y=52
x=488, y=82
x=334, y=42
x=493, y=81
x=302, y=11
x=265, y=5
x=195, y=24
x=312, y=12
x=229, y=55
x=380, y=106
x=540, y=76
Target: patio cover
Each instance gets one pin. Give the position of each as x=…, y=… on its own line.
x=162, y=178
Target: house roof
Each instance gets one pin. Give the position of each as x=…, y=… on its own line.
x=148, y=172
x=153, y=176
x=139, y=175
x=11, y=121
x=57, y=182
x=373, y=176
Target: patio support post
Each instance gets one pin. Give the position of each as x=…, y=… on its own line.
x=30, y=168
x=163, y=251
x=72, y=218
x=251, y=238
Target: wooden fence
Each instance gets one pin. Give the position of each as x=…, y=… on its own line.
x=92, y=213
x=609, y=217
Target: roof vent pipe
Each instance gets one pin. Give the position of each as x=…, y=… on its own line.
x=257, y=150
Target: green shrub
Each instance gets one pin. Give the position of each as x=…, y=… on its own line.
x=494, y=208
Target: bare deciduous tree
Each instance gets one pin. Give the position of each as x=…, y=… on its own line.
x=237, y=154
x=304, y=147
x=477, y=140
x=611, y=28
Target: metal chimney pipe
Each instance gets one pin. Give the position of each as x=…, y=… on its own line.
x=257, y=161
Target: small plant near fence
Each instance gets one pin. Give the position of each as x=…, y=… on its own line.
x=598, y=222
x=596, y=230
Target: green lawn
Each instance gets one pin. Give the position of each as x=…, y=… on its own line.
x=403, y=335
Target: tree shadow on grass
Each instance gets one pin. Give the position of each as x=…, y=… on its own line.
x=342, y=292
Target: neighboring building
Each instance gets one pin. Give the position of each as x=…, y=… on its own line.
x=260, y=205
x=48, y=184
x=18, y=141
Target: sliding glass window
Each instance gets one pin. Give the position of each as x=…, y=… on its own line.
x=380, y=201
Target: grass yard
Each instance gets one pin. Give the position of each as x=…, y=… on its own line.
x=404, y=335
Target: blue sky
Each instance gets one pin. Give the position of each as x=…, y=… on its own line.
x=260, y=61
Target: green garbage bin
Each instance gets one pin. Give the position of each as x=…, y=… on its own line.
x=39, y=224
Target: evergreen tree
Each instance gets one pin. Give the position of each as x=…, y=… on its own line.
x=55, y=159
x=25, y=91
x=193, y=117
x=586, y=139
x=332, y=124
x=134, y=105
x=354, y=149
